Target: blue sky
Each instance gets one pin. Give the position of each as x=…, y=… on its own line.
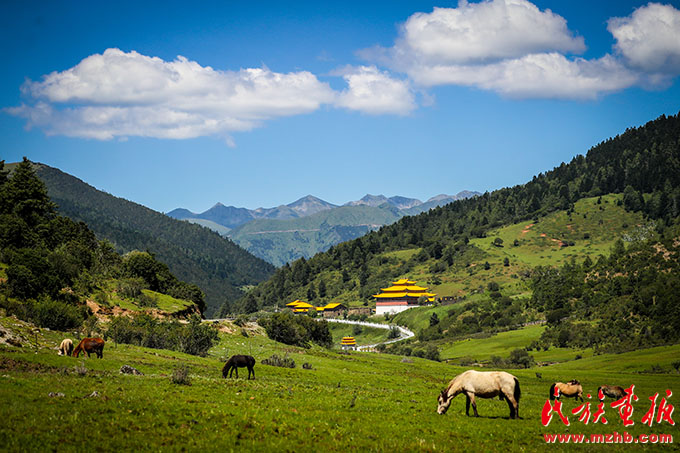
x=184, y=104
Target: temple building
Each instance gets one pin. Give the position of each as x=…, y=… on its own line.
x=299, y=306
x=402, y=295
x=348, y=343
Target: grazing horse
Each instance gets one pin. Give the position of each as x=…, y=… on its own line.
x=612, y=391
x=239, y=361
x=66, y=347
x=571, y=389
x=483, y=384
x=89, y=345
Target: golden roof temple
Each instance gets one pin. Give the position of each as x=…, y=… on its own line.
x=402, y=295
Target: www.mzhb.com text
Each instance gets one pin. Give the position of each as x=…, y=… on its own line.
x=614, y=438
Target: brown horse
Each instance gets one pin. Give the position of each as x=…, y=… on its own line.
x=89, y=345
x=66, y=347
x=612, y=391
x=571, y=389
x=237, y=361
x=483, y=384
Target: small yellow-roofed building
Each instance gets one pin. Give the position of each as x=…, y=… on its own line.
x=348, y=343
x=402, y=295
x=333, y=310
x=299, y=306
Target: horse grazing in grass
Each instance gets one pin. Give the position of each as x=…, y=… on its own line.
x=483, y=384
x=66, y=347
x=571, y=389
x=239, y=361
x=89, y=345
x=612, y=391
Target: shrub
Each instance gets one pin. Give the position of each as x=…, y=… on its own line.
x=295, y=330
x=55, y=315
x=180, y=376
x=521, y=358
x=431, y=353
x=394, y=333
x=130, y=288
x=275, y=360
x=197, y=338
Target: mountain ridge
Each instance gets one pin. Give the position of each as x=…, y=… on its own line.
x=308, y=225
x=194, y=253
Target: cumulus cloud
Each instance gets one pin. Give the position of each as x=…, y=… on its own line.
x=548, y=75
x=649, y=39
x=119, y=94
x=489, y=30
x=515, y=49
x=375, y=92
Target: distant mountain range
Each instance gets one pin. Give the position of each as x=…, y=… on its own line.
x=309, y=225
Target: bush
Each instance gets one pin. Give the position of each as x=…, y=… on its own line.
x=295, y=330
x=521, y=358
x=284, y=362
x=394, y=333
x=195, y=338
x=180, y=376
x=55, y=315
x=431, y=353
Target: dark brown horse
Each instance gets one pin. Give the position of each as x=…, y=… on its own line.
x=612, y=391
x=239, y=361
x=89, y=345
x=571, y=389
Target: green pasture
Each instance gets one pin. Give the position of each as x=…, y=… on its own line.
x=368, y=335
x=346, y=402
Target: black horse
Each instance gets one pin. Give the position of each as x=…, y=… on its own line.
x=239, y=361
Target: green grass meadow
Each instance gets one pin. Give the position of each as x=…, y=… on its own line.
x=346, y=402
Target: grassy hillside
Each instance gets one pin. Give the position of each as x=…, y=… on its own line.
x=356, y=402
x=193, y=253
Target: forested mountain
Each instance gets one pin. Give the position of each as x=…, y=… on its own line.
x=193, y=253
x=643, y=163
x=50, y=265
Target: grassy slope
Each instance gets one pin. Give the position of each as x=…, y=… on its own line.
x=360, y=402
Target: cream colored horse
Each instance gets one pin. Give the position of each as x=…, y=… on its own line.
x=482, y=384
x=66, y=347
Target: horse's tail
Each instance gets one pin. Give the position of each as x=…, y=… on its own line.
x=552, y=391
x=518, y=392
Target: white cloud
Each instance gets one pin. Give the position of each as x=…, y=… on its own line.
x=513, y=48
x=118, y=94
x=649, y=39
x=489, y=30
x=535, y=76
x=375, y=92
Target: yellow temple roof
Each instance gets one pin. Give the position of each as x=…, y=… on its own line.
x=404, y=281
x=332, y=306
x=401, y=288
x=295, y=303
x=349, y=341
